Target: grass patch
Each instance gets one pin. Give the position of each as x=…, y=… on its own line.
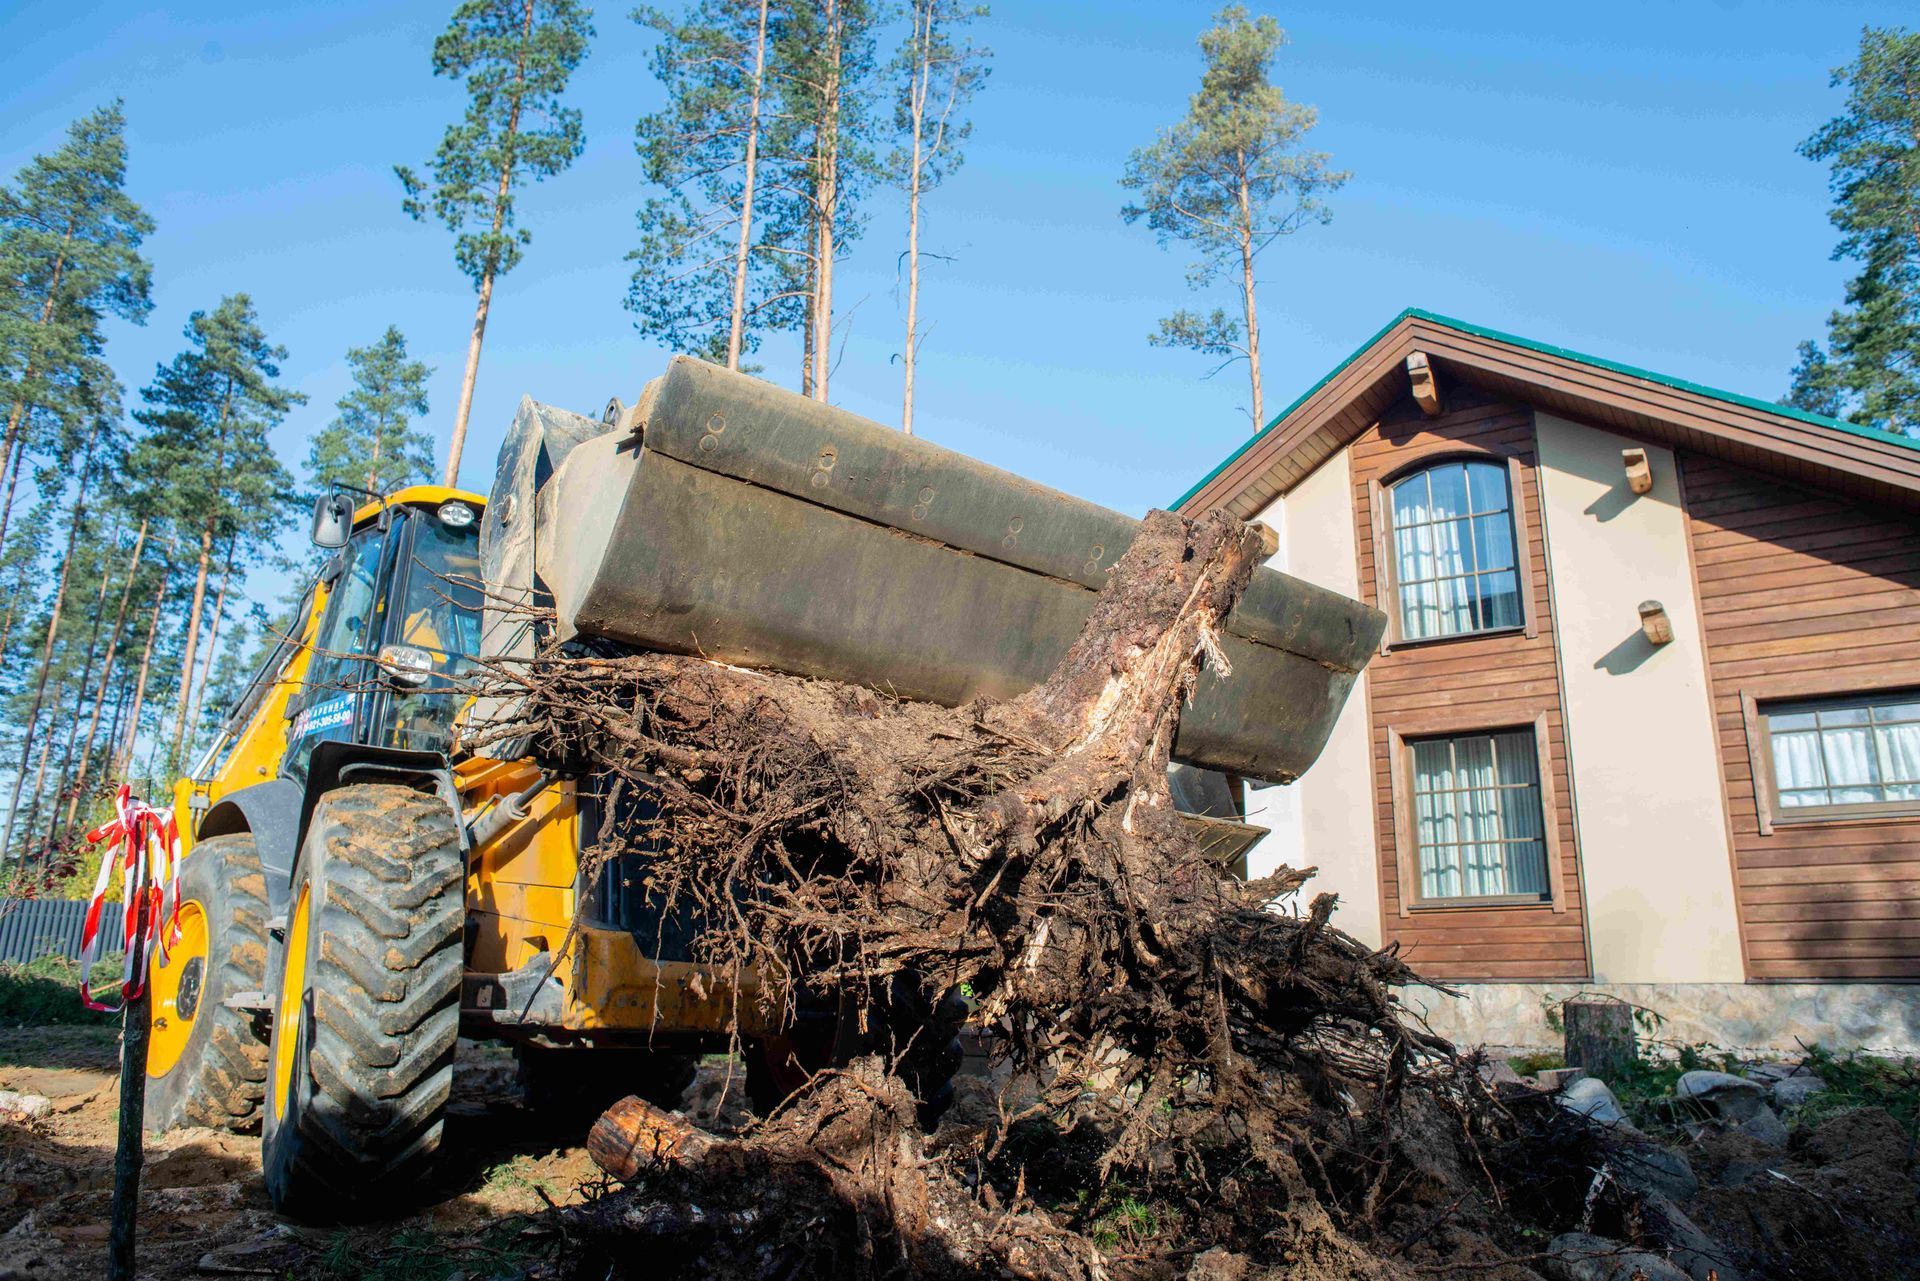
x=1539, y=1061
x=1856, y=1080
x=417, y=1254
x=1120, y=1219
x=69, y=1046
x=46, y=992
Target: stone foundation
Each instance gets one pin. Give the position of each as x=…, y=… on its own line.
x=1747, y=1018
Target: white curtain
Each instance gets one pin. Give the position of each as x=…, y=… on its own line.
x=1526, y=861
x=1846, y=755
x=1900, y=760
x=1478, y=818
x=1453, y=550
x=1438, y=833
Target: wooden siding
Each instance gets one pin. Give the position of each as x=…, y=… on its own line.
x=1802, y=594
x=1465, y=684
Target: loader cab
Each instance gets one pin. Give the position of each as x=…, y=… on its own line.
x=400, y=628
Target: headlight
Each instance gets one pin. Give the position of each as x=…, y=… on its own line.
x=406, y=665
x=455, y=515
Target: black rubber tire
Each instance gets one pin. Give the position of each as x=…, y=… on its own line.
x=372, y=1063
x=923, y=1038
x=220, y=1077
x=577, y=1084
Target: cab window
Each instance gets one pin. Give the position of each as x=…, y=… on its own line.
x=330, y=699
x=439, y=615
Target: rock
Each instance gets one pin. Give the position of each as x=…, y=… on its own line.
x=1498, y=1072
x=1793, y=1091
x=1590, y=1097
x=1581, y=1256
x=1219, y=1264
x=1557, y=1078
x=1691, y=1250
x=1766, y=1126
x=1733, y=1098
x=1656, y=1171
x=1768, y=1073
x=24, y=1104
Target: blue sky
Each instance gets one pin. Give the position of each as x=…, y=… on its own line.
x=1620, y=182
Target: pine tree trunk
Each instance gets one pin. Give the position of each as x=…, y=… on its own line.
x=33, y=801
x=737, y=325
x=806, y=329
x=15, y=450
x=826, y=204
x=53, y=628
x=472, y=375
x=451, y=477
x=1247, y=291
x=923, y=47
x=213, y=640
x=54, y=806
x=6, y=506
x=123, y=754
x=15, y=446
x=106, y=677
x=14, y=597
x=80, y=691
x=193, y=638
x=119, y=718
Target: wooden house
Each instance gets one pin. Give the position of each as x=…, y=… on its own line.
x=1647, y=715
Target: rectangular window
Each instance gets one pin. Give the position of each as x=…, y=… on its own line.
x=1479, y=830
x=1837, y=757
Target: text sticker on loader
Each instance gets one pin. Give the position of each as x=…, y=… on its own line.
x=361, y=891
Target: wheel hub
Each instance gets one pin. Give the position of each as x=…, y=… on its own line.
x=188, y=999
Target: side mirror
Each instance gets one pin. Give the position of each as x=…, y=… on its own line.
x=332, y=521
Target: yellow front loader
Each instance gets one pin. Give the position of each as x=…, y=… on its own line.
x=360, y=889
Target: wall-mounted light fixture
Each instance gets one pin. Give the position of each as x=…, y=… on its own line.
x=1426, y=386
x=1639, y=470
x=1654, y=622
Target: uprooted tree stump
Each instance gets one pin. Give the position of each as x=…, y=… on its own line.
x=1179, y=1038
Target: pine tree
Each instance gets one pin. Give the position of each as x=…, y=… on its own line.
x=371, y=443
x=1869, y=371
x=701, y=282
x=516, y=56
x=824, y=134
x=69, y=255
x=102, y=690
x=940, y=70
x=1230, y=179
x=102, y=422
x=208, y=464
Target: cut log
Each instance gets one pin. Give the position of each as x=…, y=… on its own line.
x=633, y=1136
x=1599, y=1036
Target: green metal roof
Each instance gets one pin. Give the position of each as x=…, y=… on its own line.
x=1481, y=331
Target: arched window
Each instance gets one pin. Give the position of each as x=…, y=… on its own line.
x=1454, y=563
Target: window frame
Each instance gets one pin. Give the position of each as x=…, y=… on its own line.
x=1757, y=711
x=1405, y=816
x=1386, y=560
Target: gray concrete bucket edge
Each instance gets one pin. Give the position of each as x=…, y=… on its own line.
x=726, y=517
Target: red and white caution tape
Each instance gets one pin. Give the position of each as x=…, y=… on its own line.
x=146, y=845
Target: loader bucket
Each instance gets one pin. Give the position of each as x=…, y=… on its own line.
x=726, y=517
